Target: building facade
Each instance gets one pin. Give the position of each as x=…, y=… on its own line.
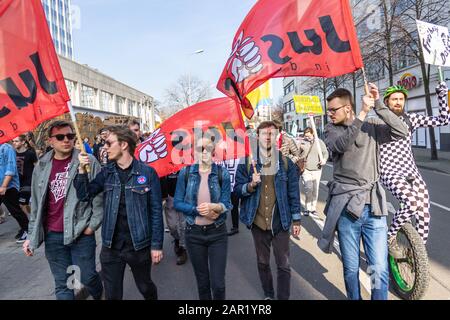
x=368, y=19
x=58, y=14
x=300, y=86
x=94, y=92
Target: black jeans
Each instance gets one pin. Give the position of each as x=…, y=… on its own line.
x=235, y=210
x=207, y=249
x=263, y=241
x=113, y=267
x=11, y=201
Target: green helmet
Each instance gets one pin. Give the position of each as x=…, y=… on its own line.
x=395, y=89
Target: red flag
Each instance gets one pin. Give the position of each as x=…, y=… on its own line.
x=285, y=38
x=32, y=87
x=171, y=146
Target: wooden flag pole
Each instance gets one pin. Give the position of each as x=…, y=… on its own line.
x=316, y=137
x=366, y=83
x=441, y=76
x=77, y=132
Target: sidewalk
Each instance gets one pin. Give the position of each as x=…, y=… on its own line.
x=423, y=160
x=26, y=278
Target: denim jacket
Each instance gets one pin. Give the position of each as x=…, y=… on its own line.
x=186, y=196
x=287, y=193
x=142, y=200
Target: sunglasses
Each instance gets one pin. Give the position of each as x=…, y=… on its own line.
x=203, y=148
x=60, y=137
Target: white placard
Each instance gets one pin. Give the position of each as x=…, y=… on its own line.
x=435, y=42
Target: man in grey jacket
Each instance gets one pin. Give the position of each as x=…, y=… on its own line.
x=58, y=218
x=356, y=205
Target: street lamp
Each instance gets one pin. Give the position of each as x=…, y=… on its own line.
x=189, y=76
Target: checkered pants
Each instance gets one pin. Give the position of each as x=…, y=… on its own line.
x=414, y=201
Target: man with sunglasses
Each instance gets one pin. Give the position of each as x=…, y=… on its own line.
x=356, y=205
x=132, y=231
x=58, y=218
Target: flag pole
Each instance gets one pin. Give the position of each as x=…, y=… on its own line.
x=233, y=85
x=77, y=132
x=366, y=83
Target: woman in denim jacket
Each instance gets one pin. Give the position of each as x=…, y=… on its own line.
x=203, y=195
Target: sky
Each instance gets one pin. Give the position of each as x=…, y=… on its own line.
x=149, y=44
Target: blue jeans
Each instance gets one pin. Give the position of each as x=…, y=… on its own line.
x=374, y=236
x=80, y=256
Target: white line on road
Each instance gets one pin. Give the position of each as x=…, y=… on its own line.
x=440, y=206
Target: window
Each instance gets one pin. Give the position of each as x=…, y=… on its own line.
x=120, y=105
x=130, y=107
x=375, y=70
x=106, y=101
x=289, y=88
x=72, y=88
x=88, y=96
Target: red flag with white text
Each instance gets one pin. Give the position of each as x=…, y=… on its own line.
x=172, y=146
x=32, y=87
x=285, y=38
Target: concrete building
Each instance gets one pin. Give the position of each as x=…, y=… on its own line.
x=96, y=93
x=58, y=13
x=368, y=18
x=300, y=86
x=407, y=72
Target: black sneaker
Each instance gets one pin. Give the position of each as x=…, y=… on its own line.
x=22, y=238
x=182, y=256
x=176, y=246
x=233, y=231
x=19, y=234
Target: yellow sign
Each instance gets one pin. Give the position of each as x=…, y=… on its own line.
x=308, y=105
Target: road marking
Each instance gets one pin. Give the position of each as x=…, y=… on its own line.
x=440, y=206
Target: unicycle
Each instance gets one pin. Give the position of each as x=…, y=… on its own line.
x=410, y=275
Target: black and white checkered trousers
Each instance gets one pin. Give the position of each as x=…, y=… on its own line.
x=399, y=173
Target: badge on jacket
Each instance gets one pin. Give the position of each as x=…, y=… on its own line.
x=141, y=179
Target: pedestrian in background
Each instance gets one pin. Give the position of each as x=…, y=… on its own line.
x=312, y=173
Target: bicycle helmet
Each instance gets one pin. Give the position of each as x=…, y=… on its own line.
x=394, y=89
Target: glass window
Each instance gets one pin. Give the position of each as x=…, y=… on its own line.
x=120, y=105
x=130, y=107
x=88, y=96
x=106, y=101
x=289, y=88
x=72, y=88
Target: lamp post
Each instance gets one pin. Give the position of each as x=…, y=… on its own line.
x=189, y=77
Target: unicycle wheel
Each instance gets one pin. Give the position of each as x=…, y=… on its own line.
x=410, y=275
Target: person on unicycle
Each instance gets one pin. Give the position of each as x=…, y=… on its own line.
x=399, y=173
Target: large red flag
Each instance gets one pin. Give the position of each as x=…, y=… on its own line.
x=32, y=87
x=285, y=38
x=171, y=146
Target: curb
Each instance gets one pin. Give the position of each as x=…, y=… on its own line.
x=432, y=168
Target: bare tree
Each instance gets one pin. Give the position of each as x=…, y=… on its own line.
x=187, y=91
x=277, y=110
x=433, y=11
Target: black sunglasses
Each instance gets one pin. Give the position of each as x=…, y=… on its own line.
x=208, y=148
x=60, y=137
